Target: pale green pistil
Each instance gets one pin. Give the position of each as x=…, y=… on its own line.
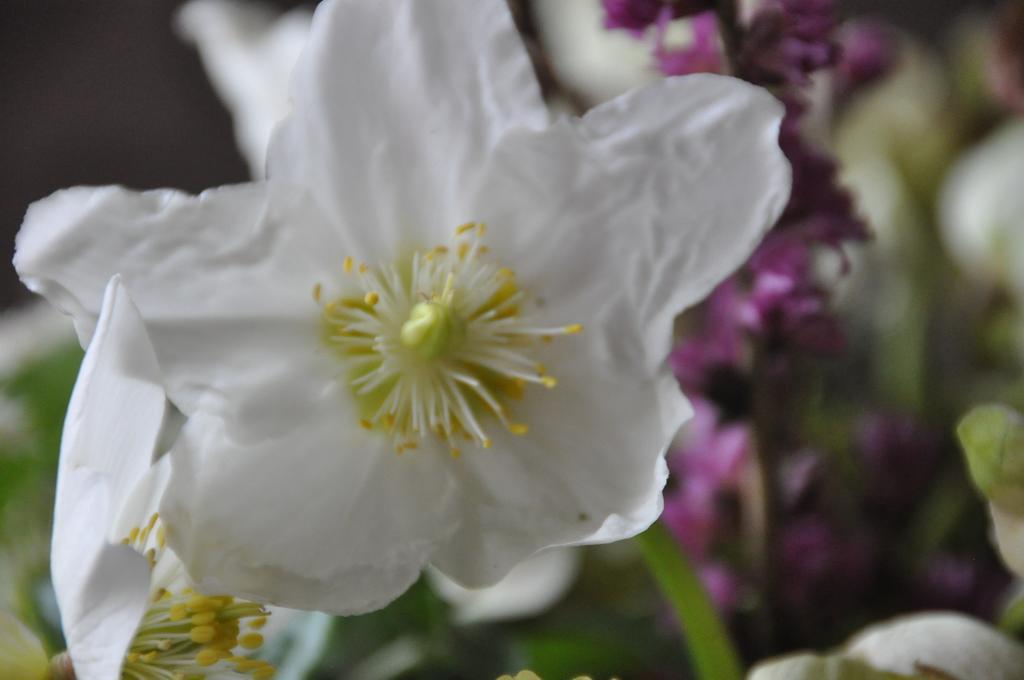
x=429, y=329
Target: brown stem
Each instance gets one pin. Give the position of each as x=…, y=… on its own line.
x=731, y=30
x=61, y=668
x=763, y=490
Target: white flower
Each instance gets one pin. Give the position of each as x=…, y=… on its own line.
x=28, y=333
x=21, y=653
x=125, y=604
x=524, y=386
x=931, y=645
x=531, y=588
x=596, y=62
x=982, y=210
x=249, y=52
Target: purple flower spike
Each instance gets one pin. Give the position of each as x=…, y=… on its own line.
x=702, y=55
x=787, y=41
x=868, y=53
x=899, y=456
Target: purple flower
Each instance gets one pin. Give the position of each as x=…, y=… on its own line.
x=637, y=15
x=868, y=52
x=965, y=584
x=787, y=40
x=724, y=586
x=717, y=348
x=710, y=463
x=702, y=55
x=818, y=565
x=899, y=456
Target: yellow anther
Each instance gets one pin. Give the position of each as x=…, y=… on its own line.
x=363, y=268
x=178, y=612
x=153, y=520
x=371, y=298
x=410, y=445
x=519, y=428
x=483, y=250
x=161, y=537
x=149, y=657
x=546, y=338
x=133, y=534
x=574, y=328
x=506, y=273
x=133, y=657
x=366, y=424
x=203, y=618
x=456, y=452
x=549, y=381
x=263, y=673
x=348, y=264
x=481, y=229
x=258, y=623
x=389, y=419
x=463, y=228
x=163, y=645
x=202, y=634
x=207, y=657
x=487, y=443
x=201, y=603
x=440, y=250
x=251, y=640
x=463, y=250
x=318, y=289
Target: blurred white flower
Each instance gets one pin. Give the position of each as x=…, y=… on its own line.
x=982, y=210
x=595, y=62
x=125, y=604
x=249, y=51
x=523, y=381
x=30, y=332
x=21, y=653
x=919, y=646
x=531, y=588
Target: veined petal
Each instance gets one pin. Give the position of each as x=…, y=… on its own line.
x=117, y=407
x=396, y=105
x=652, y=198
x=249, y=52
x=223, y=279
x=590, y=470
x=102, y=589
x=954, y=644
x=324, y=517
x=110, y=432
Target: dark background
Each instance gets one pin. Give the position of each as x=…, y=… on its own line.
x=103, y=91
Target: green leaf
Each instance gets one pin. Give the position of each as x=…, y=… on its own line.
x=992, y=437
x=710, y=647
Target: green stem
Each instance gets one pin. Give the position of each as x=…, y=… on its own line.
x=710, y=647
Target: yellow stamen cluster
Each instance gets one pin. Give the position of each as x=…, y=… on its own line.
x=188, y=636
x=437, y=344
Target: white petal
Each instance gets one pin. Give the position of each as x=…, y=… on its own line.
x=323, y=517
x=983, y=209
x=814, y=667
x=396, y=105
x=590, y=470
x=110, y=431
x=530, y=589
x=223, y=280
x=117, y=406
x=102, y=589
x=249, y=52
x=1009, y=531
x=21, y=654
x=653, y=198
x=951, y=643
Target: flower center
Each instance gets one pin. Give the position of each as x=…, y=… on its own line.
x=437, y=344
x=185, y=635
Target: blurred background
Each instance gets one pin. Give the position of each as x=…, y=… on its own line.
x=106, y=92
